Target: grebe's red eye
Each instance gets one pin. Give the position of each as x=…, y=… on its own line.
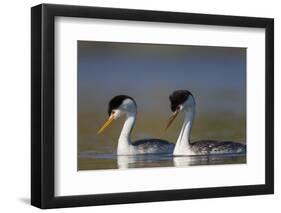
x=178, y=107
x=112, y=112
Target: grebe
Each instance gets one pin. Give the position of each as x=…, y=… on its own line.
x=125, y=105
x=183, y=101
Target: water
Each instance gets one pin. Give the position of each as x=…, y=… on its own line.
x=90, y=160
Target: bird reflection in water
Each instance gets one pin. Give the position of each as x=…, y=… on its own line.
x=146, y=161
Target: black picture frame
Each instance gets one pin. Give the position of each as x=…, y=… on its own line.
x=43, y=117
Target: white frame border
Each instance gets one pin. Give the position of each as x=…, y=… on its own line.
x=70, y=182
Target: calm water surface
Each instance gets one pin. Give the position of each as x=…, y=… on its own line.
x=89, y=160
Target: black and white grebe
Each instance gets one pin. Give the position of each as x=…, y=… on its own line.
x=183, y=101
x=126, y=105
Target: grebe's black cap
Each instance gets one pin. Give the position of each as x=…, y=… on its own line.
x=117, y=101
x=178, y=97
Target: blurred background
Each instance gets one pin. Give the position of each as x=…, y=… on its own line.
x=216, y=76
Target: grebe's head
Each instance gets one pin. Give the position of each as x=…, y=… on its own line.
x=181, y=100
x=118, y=106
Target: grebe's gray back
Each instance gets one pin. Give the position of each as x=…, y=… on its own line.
x=207, y=147
x=126, y=105
x=183, y=101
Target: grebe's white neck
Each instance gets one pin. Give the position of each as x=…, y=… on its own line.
x=183, y=143
x=128, y=108
x=124, y=141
